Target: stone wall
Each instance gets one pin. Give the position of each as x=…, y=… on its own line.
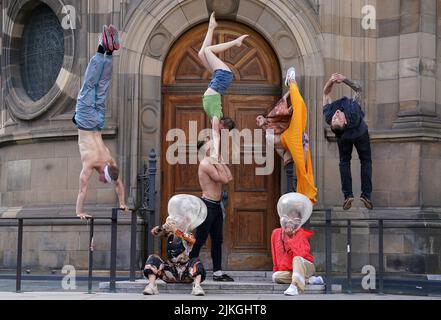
x=398, y=65
x=46, y=174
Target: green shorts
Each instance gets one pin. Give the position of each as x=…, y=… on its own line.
x=213, y=106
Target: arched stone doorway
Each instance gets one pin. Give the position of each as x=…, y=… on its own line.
x=251, y=214
x=152, y=30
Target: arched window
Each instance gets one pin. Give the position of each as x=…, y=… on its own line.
x=41, y=52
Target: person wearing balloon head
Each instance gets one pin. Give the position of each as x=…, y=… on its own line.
x=186, y=212
x=293, y=262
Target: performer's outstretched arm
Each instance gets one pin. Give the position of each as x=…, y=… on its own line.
x=119, y=188
x=327, y=99
x=339, y=78
x=85, y=175
x=354, y=86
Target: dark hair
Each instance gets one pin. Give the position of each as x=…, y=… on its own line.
x=338, y=130
x=113, y=172
x=200, y=144
x=228, y=123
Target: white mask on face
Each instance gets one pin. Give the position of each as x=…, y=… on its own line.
x=294, y=210
x=290, y=224
x=107, y=175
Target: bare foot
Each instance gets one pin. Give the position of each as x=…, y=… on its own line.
x=240, y=40
x=213, y=23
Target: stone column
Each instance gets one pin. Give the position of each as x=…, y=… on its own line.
x=1, y=77
x=417, y=65
x=438, y=59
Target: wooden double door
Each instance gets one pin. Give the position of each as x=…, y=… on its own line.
x=251, y=211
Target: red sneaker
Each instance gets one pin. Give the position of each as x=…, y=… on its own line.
x=103, y=39
x=113, y=31
x=107, y=35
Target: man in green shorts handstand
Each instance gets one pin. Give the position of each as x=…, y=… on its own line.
x=222, y=77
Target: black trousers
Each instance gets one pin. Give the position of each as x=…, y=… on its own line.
x=363, y=146
x=213, y=226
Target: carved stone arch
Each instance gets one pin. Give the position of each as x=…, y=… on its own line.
x=290, y=27
x=157, y=17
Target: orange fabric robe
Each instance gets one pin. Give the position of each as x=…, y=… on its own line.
x=292, y=139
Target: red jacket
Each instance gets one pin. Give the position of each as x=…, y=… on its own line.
x=284, y=250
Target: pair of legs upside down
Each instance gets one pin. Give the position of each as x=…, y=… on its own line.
x=293, y=142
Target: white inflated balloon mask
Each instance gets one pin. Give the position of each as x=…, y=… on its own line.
x=294, y=210
x=187, y=211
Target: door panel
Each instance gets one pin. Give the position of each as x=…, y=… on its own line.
x=253, y=198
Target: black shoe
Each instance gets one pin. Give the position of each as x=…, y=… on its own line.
x=367, y=202
x=223, y=278
x=348, y=203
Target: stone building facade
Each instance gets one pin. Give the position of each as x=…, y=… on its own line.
x=42, y=67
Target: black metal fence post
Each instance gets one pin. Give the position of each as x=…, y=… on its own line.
x=142, y=179
x=89, y=285
x=133, y=246
x=151, y=203
x=349, y=261
x=289, y=177
x=113, y=248
x=328, y=249
x=380, y=256
x=19, y=256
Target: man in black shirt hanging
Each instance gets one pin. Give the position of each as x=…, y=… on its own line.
x=346, y=119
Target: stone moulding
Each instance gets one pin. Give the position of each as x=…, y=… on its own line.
x=33, y=136
x=397, y=135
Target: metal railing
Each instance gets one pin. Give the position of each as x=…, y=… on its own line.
x=380, y=225
x=91, y=223
x=146, y=209
x=147, y=190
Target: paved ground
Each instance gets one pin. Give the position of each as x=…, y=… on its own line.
x=43, y=286
x=52, y=290
x=130, y=296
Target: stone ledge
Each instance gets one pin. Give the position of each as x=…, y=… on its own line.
x=31, y=136
x=53, y=213
x=380, y=213
x=396, y=135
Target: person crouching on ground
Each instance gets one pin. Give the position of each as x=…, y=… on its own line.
x=186, y=212
x=177, y=269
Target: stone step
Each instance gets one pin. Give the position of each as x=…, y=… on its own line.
x=211, y=287
x=258, y=275
x=245, y=276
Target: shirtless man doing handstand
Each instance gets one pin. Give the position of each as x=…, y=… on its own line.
x=89, y=118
